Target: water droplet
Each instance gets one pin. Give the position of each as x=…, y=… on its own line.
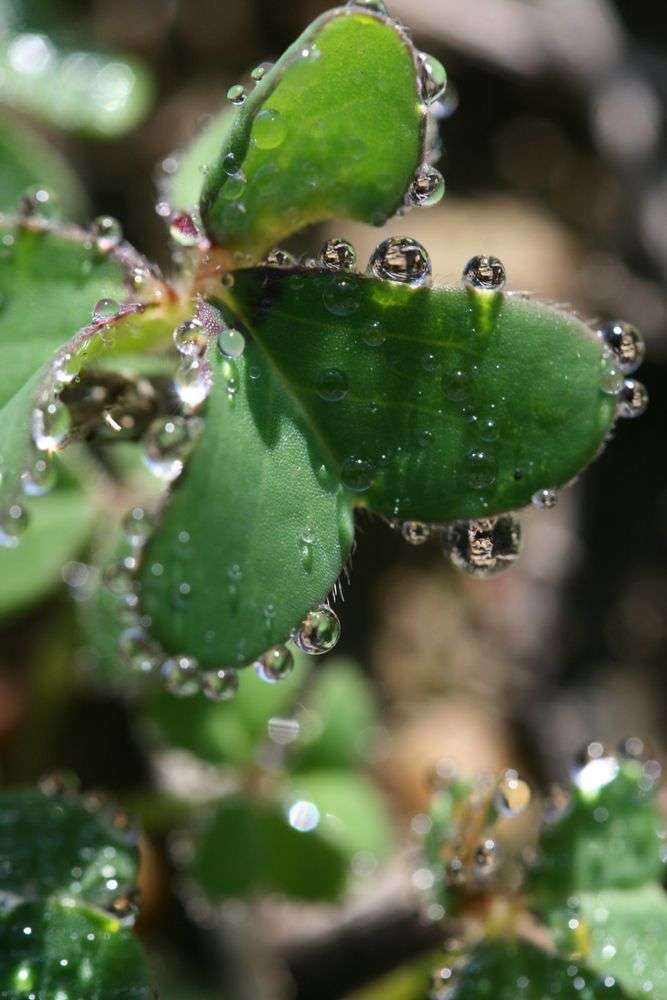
x=220, y=685
x=332, y=385
x=192, y=384
x=137, y=526
x=512, y=795
x=105, y=309
x=190, y=338
x=269, y=129
x=138, y=651
x=107, y=233
x=338, y=255
x=167, y=444
x=485, y=858
x=37, y=201
x=319, y=632
x=259, y=72
x=234, y=187
x=231, y=342
x=357, y=474
x=237, y=94
x=633, y=400
x=402, y=260
x=50, y=425
x=378, y=6
x=611, y=376
x=485, y=274
x=373, y=335
x=626, y=343
x=433, y=78
x=231, y=164
x=181, y=676
x=341, y=295
x=275, y=665
x=485, y=547
x=40, y=478
x=13, y=523
x=416, y=532
x=119, y=578
x=482, y=469
x=184, y=230
x=280, y=258
x=427, y=188
x=545, y=499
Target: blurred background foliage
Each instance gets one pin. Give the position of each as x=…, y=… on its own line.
x=554, y=154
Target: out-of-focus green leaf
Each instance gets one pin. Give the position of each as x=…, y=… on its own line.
x=506, y=969
x=54, y=846
x=410, y=982
x=607, y=838
x=183, y=188
x=337, y=725
x=226, y=732
x=622, y=934
x=61, y=949
x=249, y=847
x=26, y=161
x=98, y=94
x=353, y=813
x=335, y=129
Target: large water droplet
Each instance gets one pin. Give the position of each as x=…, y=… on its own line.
x=485, y=547
x=190, y=339
x=181, y=676
x=40, y=478
x=626, y=343
x=105, y=309
x=512, y=795
x=275, y=665
x=192, y=384
x=338, y=255
x=234, y=187
x=357, y=474
x=167, y=444
x=633, y=399
x=220, y=685
x=545, y=499
x=269, y=129
x=485, y=274
x=107, y=233
x=138, y=651
x=319, y=632
x=416, y=532
x=237, y=94
x=427, y=188
x=231, y=342
x=332, y=385
x=433, y=78
x=403, y=260
x=13, y=523
x=50, y=425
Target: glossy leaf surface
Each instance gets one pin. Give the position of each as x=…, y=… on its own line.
x=335, y=129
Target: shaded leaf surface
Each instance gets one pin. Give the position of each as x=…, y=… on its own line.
x=442, y=405
x=335, y=129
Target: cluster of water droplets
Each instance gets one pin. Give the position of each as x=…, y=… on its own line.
x=622, y=353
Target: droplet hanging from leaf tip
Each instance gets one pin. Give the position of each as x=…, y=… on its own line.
x=485, y=274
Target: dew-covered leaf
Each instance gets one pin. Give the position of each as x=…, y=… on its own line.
x=182, y=188
x=62, y=949
x=504, y=969
x=351, y=812
x=53, y=846
x=607, y=838
x=257, y=529
x=226, y=732
x=26, y=161
x=335, y=129
x=249, y=847
x=432, y=404
x=620, y=933
x=337, y=726
x=97, y=94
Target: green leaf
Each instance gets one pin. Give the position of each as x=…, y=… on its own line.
x=387, y=380
x=26, y=160
x=353, y=813
x=607, y=838
x=225, y=732
x=100, y=95
x=620, y=934
x=268, y=528
x=504, y=969
x=59, y=528
x=335, y=129
x=250, y=847
x=62, y=950
x=411, y=982
x=183, y=188
x=53, y=846
x=337, y=725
